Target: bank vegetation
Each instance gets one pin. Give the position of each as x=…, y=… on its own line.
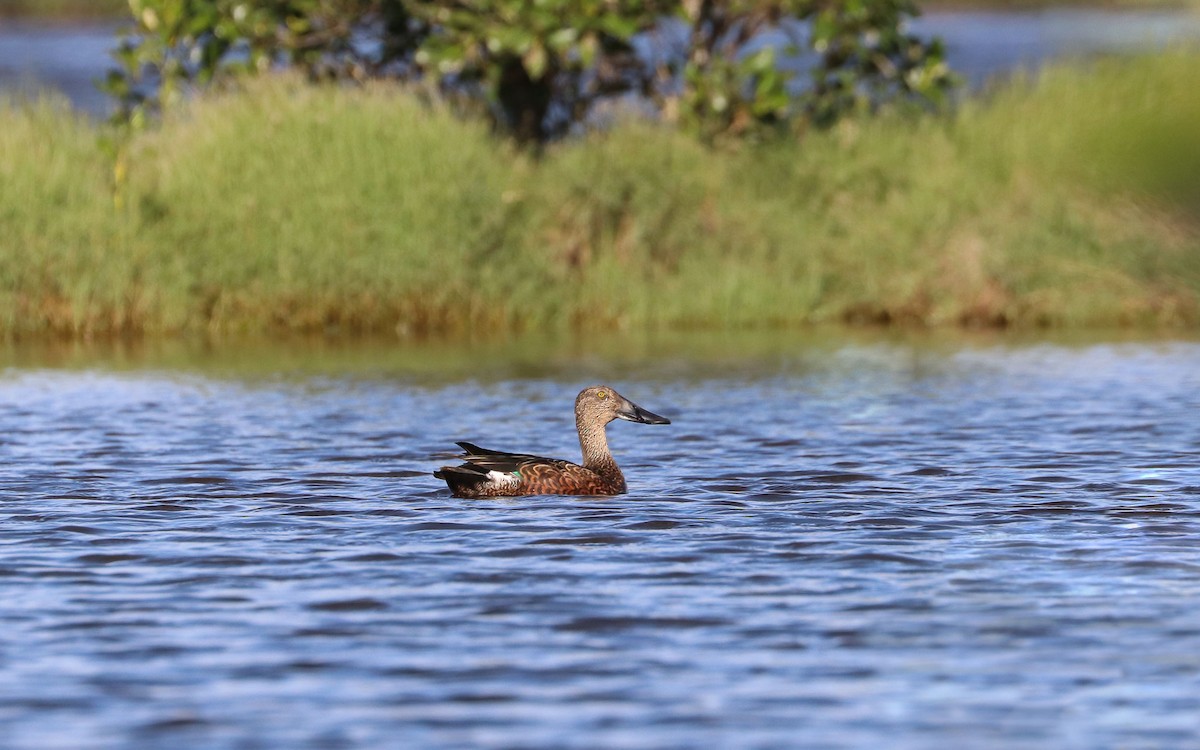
x=1068, y=199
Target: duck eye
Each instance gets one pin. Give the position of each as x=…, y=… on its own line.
x=602, y=394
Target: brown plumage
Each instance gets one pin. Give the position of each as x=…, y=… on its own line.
x=488, y=473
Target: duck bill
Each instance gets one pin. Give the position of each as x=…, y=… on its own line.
x=633, y=413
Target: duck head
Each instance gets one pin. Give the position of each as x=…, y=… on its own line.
x=601, y=405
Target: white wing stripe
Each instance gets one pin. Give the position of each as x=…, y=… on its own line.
x=503, y=477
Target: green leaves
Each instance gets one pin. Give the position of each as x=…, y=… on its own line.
x=173, y=44
x=868, y=61
x=541, y=67
x=862, y=60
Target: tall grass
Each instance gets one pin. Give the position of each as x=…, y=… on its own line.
x=1066, y=200
x=63, y=262
x=298, y=207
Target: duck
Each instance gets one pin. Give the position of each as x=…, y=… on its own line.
x=488, y=473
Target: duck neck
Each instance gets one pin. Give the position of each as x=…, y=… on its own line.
x=596, y=455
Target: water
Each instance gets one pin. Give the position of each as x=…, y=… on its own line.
x=980, y=45
x=872, y=544
x=70, y=59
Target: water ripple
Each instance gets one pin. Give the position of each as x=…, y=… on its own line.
x=886, y=547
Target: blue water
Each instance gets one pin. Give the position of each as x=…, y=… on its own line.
x=981, y=45
x=70, y=59
x=879, y=544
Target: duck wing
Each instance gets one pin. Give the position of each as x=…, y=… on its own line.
x=490, y=460
x=487, y=472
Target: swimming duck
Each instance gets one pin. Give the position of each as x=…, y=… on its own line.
x=489, y=473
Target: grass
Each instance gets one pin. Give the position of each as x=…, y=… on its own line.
x=1063, y=201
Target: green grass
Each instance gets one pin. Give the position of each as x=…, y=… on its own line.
x=1067, y=201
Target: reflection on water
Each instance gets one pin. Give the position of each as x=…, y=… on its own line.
x=875, y=544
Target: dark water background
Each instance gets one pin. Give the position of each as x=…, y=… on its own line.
x=980, y=45
x=859, y=544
